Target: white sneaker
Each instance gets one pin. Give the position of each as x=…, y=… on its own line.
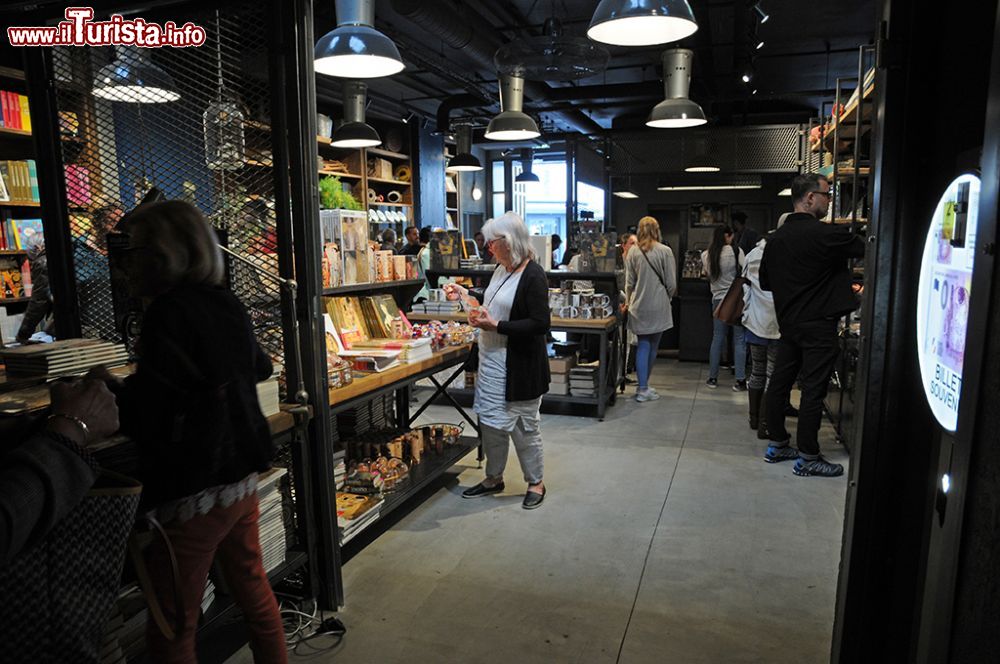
x=646, y=395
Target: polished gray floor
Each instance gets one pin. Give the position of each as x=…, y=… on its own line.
x=664, y=538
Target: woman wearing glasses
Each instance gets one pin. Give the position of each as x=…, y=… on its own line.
x=513, y=362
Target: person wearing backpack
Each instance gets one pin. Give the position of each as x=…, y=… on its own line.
x=650, y=283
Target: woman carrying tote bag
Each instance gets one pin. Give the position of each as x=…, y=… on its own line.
x=650, y=283
x=722, y=264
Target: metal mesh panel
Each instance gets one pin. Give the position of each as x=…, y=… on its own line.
x=764, y=149
x=200, y=133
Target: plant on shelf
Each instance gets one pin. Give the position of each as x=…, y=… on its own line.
x=332, y=195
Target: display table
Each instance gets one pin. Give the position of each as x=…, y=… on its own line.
x=606, y=329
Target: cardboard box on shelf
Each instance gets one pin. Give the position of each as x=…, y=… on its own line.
x=562, y=365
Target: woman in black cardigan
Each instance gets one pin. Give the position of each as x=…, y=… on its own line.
x=513, y=363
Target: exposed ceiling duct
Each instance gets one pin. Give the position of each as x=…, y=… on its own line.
x=552, y=57
x=477, y=38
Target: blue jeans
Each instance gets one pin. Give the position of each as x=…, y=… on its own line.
x=719, y=330
x=646, y=356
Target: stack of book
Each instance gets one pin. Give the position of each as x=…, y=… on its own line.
x=269, y=396
x=271, y=525
x=339, y=468
x=111, y=648
x=410, y=351
x=355, y=513
x=66, y=356
x=559, y=368
x=209, y=596
x=447, y=308
x=583, y=380
x=15, y=277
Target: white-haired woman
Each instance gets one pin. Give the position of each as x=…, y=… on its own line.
x=513, y=362
x=192, y=409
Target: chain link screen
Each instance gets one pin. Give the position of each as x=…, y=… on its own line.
x=192, y=122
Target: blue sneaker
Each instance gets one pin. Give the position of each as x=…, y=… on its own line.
x=819, y=467
x=775, y=454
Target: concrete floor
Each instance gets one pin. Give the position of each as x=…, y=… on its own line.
x=664, y=538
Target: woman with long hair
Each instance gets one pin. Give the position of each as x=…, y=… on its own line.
x=513, y=373
x=721, y=263
x=192, y=409
x=650, y=283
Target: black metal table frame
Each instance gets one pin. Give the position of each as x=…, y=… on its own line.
x=606, y=391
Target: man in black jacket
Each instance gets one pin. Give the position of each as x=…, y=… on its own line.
x=805, y=267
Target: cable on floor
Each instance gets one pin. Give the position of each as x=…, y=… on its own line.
x=302, y=627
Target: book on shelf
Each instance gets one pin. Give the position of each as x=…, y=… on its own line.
x=11, y=278
x=63, y=356
x=21, y=234
x=370, y=360
x=559, y=389
x=20, y=178
x=15, y=113
x=268, y=395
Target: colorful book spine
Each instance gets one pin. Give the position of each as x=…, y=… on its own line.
x=25, y=113
x=33, y=181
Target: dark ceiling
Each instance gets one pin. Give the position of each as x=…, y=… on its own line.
x=807, y=46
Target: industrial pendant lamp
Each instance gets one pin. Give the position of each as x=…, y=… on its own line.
x=464, y=160
x=527, y=157
x=676, y=111
x=354, y=132
x=703, y=160
x=355, y=49
x=512, y=124
x=641, y=22
x=133, y=77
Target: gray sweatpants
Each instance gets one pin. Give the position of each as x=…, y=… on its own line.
x=527, y=444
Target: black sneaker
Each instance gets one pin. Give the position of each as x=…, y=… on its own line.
x=712, y=383
x=482, y=490
x=740, y=386
x=819, y=467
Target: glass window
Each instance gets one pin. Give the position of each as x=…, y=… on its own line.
x=590, y=198
x=545, y=200
x=498, y=203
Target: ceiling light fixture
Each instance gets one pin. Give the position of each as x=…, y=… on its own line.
x=704, y=159
x=747, y=75
x=760, y=44
x=133, y=77
x=676, y=111
x=354, y=132
x=787, y=191
x=464, y=160
x=641, y=22
x=512, y=124
x=706, y=187
x=526, y=158
x=476, y=192
x=355, y=49
x=624, y=192
x=761, y=14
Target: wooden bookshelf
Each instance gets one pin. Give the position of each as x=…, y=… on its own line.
x=20, y=204
x=7, y=131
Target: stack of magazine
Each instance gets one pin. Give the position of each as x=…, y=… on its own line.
x=271, y=524
x=66, y=356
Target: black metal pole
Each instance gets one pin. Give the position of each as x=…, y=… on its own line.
x=295, y=93
x=52, y=190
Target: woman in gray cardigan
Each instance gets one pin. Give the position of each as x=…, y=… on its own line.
x=650, y=282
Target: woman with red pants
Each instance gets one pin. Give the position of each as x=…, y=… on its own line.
x=192, y=409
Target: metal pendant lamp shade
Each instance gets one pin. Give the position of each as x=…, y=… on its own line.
x=512, y=124
x=703, y=160
x=642, y=22
x=676, y=111
x=355, y=49
x=527, y=158
x=464, y=160
x=354, y=132
x=133, y=77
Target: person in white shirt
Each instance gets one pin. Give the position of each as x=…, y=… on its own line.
x=720, y=264
x=761, y=333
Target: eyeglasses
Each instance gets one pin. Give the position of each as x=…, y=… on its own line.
x=828, y=194
x=496, y=239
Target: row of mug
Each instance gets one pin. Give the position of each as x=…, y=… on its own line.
x=586, y=313
x=560, y=299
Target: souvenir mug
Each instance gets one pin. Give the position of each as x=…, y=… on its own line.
x=568, y=312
